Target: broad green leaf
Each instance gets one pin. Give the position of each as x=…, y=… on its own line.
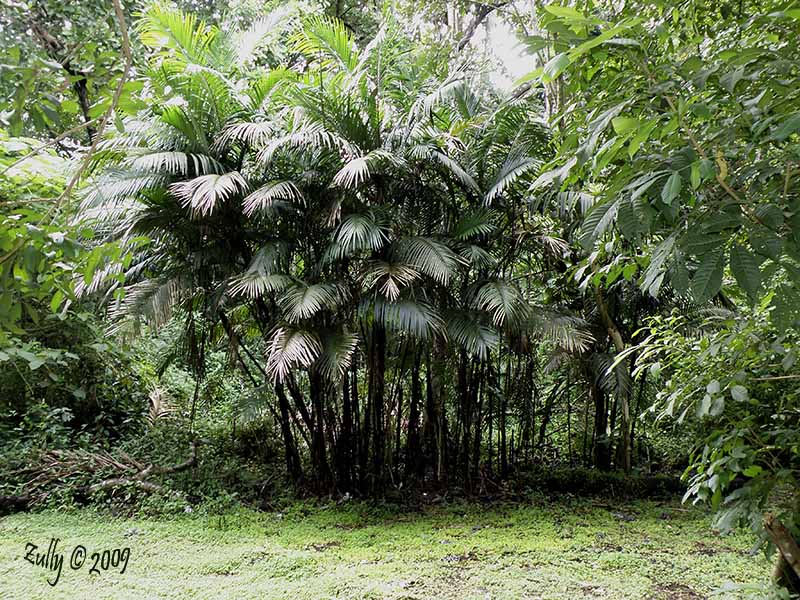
x=554, y=67
x=626, y=220
x=707, y=279
x=641, y=137
x=745, y=269
x=623, y=125
x=698, y=243
x=55, y=302
x=787, y=128
x=752, y=471
x=654, y=274
x=597, y=222
x=704, y=406
x=770, y=215
x=672, y=188
x=739, y=393
x=694, y=176
x=565, y=12
x=605, y=36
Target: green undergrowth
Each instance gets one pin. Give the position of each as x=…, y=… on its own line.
x=566, y=549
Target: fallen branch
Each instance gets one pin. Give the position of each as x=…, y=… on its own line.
x=58, y=466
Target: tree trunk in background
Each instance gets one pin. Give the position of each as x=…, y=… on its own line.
x=344, y=446
x=434, y=418
x=602, y=443
x=414, y=466
x=319, y=456
x=787, y=567
x=377, y=386
x=622, y=394
x=293, y=465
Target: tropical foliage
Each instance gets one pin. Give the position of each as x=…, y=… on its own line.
x=338, y=233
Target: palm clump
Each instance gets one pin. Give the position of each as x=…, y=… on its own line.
x=342, y=220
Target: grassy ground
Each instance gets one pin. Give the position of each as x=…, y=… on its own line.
x=567, y=550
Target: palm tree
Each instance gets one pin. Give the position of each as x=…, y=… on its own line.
x=356, y=206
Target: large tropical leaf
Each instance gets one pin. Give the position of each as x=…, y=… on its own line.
x=503, y=301
x=337, y=353
x=290, y=348
x=469, y=332
x=417, y=319
x=389, y=278
x=304, y=301
x=271, y=196
x=356, y=233
x=203, y=194
x=428, y=256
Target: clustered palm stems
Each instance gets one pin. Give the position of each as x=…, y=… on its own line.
x=340, y=214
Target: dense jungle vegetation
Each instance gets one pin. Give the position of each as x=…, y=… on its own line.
x=253, y=251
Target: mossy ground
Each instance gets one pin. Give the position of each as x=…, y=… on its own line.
x=566, y=549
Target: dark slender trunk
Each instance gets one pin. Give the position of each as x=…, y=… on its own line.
x=413, y=459
x=502, y=425
x=602, y=443
x=319, y=457
x=293, y=465
x=463, y=444
x=377, y=388
x=493, y=378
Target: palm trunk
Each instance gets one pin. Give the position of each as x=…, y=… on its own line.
x=319, y=457
x=413, y=459
x=293, y=465
x=377, y=387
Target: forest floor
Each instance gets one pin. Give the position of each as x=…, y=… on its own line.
x=567, y=550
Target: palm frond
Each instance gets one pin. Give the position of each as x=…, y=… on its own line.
x=356, y=233
x=359, y=170
x=478, y=222
x=513, y=168
x=467, y=330
x=503, y=301
x=203, y=194
x=304, y=301
x=428, y=256
x=247, y=42
x=476, y=256
x=175, y=163
x=328, y=41
x=571, y=333
x=389, y=278
x=455, y=169
x=337, y=353
x=153, y=299
x=417, y=319
x=251, y=133
x=290, y=348
x=271, y=196
x=255, y=284
x=175, y=33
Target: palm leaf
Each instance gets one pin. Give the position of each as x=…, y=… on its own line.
x=389, y=278
x=337, y=353
x=471, y=334
x=290, y=348
x=503, y=301
x=270, y=197
x=357, y=232
x=417, y=319
x=203, y=194
x=428, y=256
x=304, y=301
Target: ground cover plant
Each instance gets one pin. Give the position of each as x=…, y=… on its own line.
x=574, y=549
